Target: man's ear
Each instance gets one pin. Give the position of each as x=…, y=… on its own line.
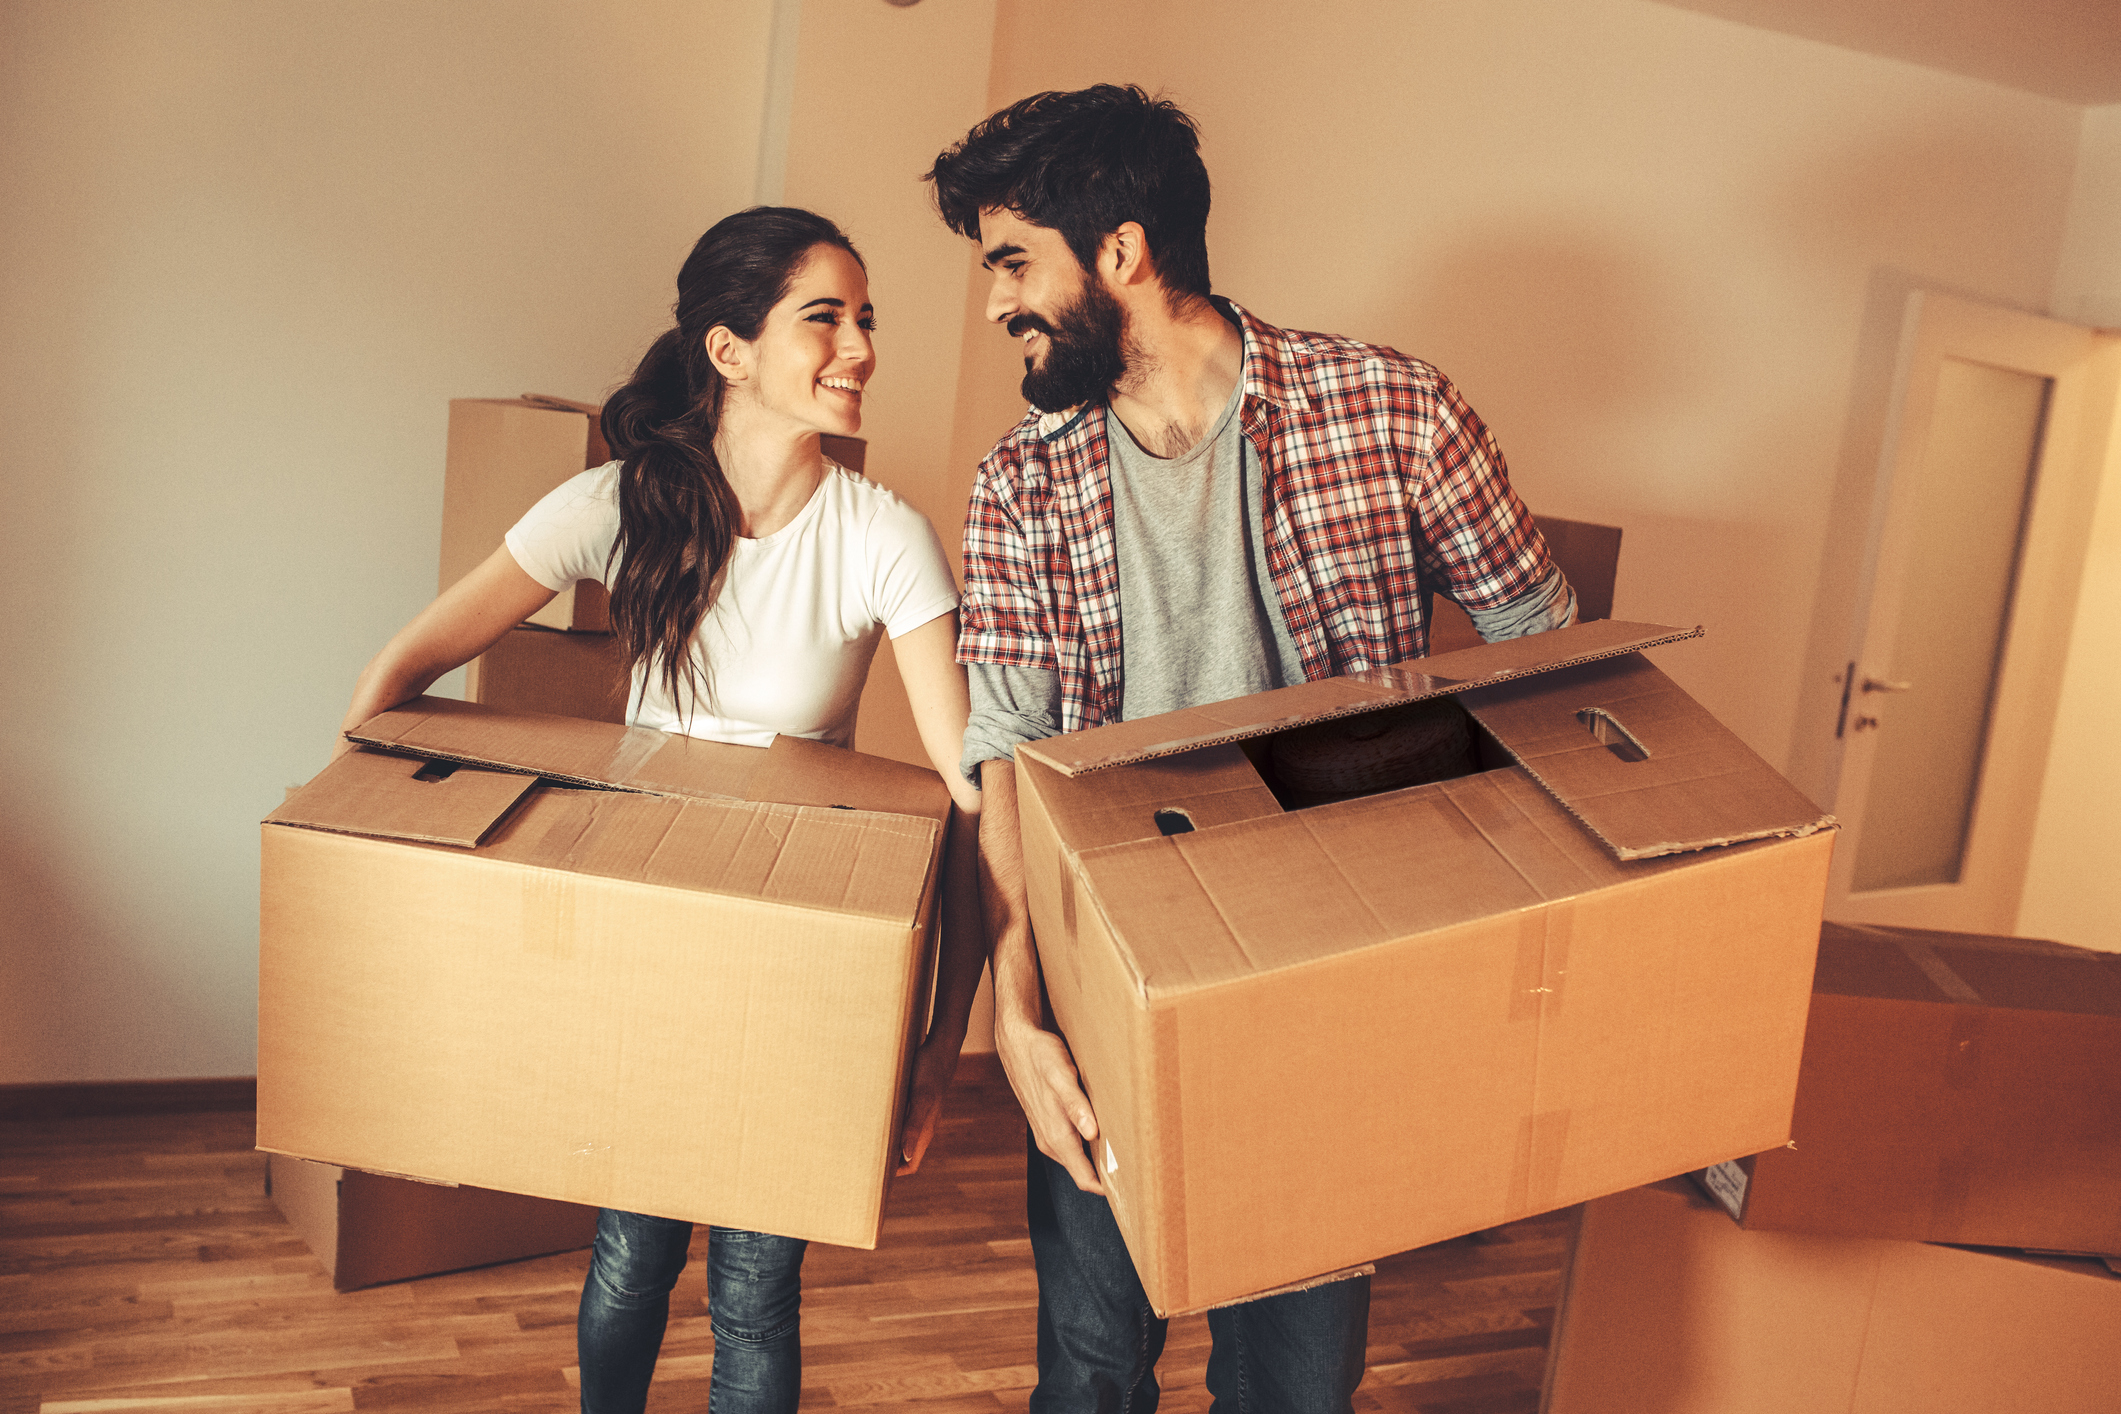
x=1123, y=256
x=730, y=355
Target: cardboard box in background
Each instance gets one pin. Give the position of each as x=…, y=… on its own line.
x=691, y=989
x=368, y=1229
x=1955, y=1088
x=504, y=455
x=1321, y=1036
x=544, y=670
x=1670, y=1308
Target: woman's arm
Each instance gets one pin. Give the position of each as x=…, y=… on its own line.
x=468, y=618
x=935, y=689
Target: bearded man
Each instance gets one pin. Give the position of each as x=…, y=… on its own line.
x=1199, y=506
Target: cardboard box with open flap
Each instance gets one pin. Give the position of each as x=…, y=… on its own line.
x=1316, y=1037
x=1954, y=1088
x=601, y=964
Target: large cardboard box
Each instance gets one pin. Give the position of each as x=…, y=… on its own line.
x=368, y=1229
x=601, y=964
x=1315, y=1037
x=1670, y=1308
x=1955, y=1088
x=544, y=670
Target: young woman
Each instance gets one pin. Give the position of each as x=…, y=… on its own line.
x=750, y=581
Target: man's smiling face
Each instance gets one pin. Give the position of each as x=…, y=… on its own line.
x=1072, y=327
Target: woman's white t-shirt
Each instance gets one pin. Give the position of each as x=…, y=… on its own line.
x=788, y=641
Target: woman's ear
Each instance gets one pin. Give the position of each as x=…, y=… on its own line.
x=730, y=355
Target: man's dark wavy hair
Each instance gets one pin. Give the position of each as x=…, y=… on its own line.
x=1082, y=164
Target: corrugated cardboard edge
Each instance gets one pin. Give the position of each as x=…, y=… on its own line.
x=1431, y=684
x=1367, y=1269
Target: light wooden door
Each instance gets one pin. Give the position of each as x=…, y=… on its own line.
x=1989, y=473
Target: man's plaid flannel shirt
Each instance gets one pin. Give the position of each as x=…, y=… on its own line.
x=1377, y=478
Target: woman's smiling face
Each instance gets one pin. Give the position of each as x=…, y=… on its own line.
x=813, y=357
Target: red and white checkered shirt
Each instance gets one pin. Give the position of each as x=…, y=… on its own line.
x=1376, y=478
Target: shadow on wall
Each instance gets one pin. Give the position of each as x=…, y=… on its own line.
x=1575, y=332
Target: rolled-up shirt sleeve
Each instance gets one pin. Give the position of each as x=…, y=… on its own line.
x=1550, y=603
x=1009, y=705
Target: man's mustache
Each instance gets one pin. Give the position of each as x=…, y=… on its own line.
x=1021, y=322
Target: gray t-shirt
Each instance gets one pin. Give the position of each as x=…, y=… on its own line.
x=1200, y=621
x=1200, y=618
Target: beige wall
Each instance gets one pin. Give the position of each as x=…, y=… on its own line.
x=247, y=253
x=2088, y=276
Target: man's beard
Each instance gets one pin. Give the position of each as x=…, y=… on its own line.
x=1084, y=354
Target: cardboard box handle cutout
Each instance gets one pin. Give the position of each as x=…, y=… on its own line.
x=1607, y=731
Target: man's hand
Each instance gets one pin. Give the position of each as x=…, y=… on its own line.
x=933, y=1066
x=1043, y=1074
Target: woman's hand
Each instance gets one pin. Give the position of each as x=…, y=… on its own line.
x=934, y=1064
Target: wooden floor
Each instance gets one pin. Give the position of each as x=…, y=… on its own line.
x=143, y=1269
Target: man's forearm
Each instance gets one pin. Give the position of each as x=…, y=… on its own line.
x=1013, y=956
x=964, y=937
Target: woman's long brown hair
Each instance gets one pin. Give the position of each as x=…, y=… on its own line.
x=678, y=517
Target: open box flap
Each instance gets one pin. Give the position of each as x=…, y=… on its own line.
x=1169, y=733
x=405, y=798
x=792, y=771
x=570, y=749
x=1643, y=766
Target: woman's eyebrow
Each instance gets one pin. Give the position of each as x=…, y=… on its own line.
x=836, y=303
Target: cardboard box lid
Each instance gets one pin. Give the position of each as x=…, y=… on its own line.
x=1371, y=690
x=1966, y=969
x=793, y=771
x=1642, y=766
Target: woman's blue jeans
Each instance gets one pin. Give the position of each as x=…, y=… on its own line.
x=754, y=1300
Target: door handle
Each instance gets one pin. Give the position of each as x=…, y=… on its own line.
x=1871, y=684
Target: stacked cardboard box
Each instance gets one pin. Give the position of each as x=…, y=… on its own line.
x=1670, y=1308
x=1955, y=1088
x=602, y=965
x=368, y=1229
x=1314, y=1037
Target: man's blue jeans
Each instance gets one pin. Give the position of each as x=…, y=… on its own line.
x=1098, y=1339
x=754, y=1295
